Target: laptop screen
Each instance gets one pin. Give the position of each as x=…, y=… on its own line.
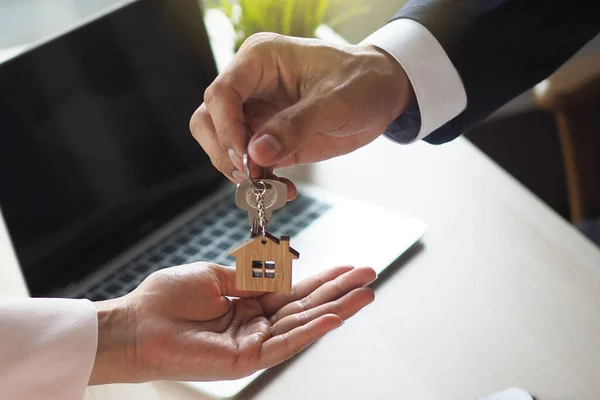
x=95, y=148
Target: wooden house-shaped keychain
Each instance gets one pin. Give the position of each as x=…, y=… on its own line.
x=264, y=263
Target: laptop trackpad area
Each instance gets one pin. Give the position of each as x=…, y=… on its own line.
x=354, y=234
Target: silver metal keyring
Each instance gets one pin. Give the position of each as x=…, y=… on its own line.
x=247, y=168
x=259, y=188
x=256, y=184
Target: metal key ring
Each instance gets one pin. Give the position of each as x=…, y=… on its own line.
x=246, y=159
x=260, y=188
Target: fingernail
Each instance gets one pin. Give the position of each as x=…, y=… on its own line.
x=238, y=176
x=267, y=146
x=374, y=279
x=235, y=159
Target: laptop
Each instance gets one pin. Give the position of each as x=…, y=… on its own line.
x=101, y=182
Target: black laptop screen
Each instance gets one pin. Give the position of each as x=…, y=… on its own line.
x=95, y=148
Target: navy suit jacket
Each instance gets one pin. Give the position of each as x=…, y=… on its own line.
x=500, y=48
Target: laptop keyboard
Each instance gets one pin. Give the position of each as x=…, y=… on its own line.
x=206, y=237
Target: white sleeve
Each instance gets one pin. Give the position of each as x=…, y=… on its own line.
x=437, y=85
x=47, y=347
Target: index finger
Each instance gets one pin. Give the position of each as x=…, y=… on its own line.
x=282, y=347
x=272, y=302
x=247, y=74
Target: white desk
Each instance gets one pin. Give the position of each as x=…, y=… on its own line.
x=503, y=292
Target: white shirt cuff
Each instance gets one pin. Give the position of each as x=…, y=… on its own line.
x=437, y=85
x=47, y=347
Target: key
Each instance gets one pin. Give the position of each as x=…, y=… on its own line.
x=274, y=198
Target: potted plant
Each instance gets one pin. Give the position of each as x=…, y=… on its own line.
x=300, y=18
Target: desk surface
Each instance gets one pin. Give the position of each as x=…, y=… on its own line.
x=503, y=292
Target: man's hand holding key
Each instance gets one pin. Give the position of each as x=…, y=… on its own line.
x=291, y=101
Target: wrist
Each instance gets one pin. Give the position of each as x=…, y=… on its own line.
x=116, y=348
x=397, y=79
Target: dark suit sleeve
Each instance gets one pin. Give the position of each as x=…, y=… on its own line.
x=500, y=48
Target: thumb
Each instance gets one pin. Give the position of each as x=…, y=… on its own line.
x=226, y=277
x=284, y=133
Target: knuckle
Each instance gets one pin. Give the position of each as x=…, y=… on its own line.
x=305, y=303
x=293, y=292
x=273, y=330
x=275, y=318
x=212, y=269
x=213, y=90
x=253, y=62
x=337, y=288
x=197, y=121
x=286, y=337
x=303, y=317
x=220, y=161
x=223, y=136
x=320, y=279
x=260, y=40
x=337, y=308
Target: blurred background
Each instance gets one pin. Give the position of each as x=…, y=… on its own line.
x=534, y=137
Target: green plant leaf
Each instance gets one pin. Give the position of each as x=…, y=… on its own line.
x=298, y=18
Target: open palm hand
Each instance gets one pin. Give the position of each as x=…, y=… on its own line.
x=193, y=324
